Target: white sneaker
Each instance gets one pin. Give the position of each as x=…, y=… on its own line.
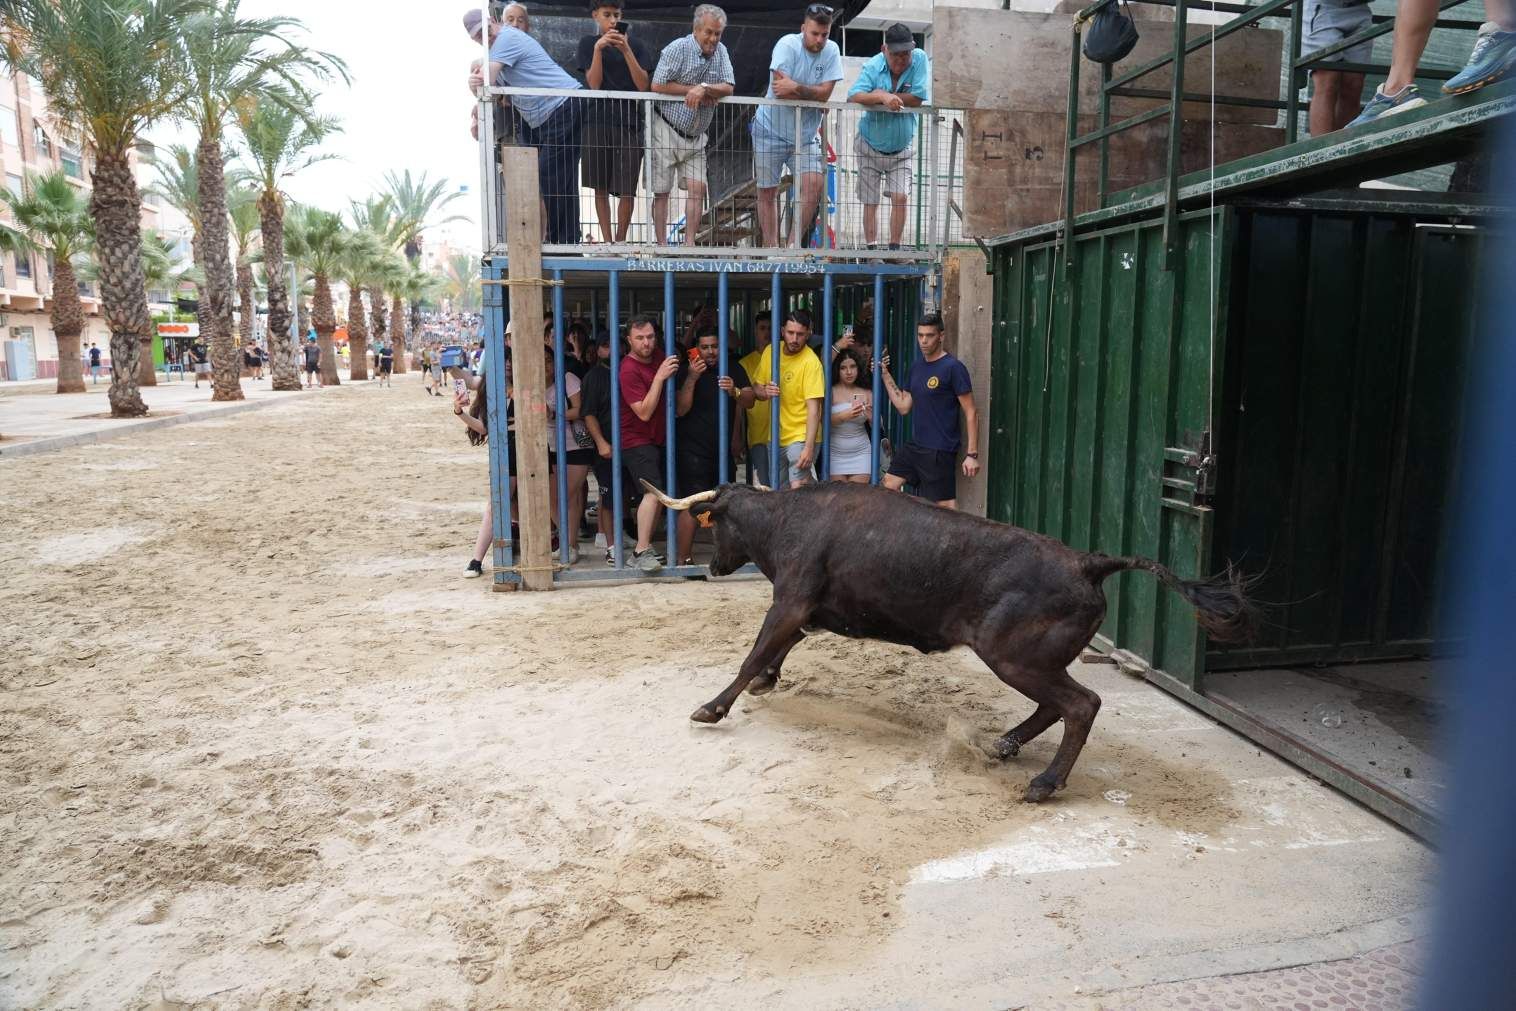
x=600, y=541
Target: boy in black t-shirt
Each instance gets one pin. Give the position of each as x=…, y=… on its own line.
x=595, y=409
x=702, y=395
x=937, y=388
x=611, y=140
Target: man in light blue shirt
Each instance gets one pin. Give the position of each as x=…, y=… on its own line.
x=805, y=66
x=551, y=123
x=897, y=79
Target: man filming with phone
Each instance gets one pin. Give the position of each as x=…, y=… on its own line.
x=613, y=59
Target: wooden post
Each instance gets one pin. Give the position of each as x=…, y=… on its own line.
x=523, y=237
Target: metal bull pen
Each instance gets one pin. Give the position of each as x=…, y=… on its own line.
x=895, y=287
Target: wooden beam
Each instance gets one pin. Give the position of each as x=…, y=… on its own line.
x=523, y=236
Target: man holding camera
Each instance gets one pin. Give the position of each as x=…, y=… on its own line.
x=611, y=59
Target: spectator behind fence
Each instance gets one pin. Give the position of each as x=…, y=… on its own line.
x=851, y=451
x=702, y=397
x=937, y=386
x=1492, y=59
x=595, y=410
x=697, y=67
x=751, y=440
x=507, y=119
x=806, y=67
x=1336, y=95
x=612, y=59
x=579, y=455
x=899, y=77
x=642, y=429
x=800, y=391
x=550, y=124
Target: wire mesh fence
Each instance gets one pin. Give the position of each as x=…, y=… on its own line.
x=636, y=170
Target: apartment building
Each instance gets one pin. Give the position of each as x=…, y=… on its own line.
x=33, y=140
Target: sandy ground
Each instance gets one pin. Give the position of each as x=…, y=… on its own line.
x=262, y=747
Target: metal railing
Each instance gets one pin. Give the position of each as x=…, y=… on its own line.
x=1297, y=67
x=619, y=176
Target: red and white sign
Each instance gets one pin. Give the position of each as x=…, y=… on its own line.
x=178, y=329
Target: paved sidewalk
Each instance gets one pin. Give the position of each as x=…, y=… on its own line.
x=34, y=419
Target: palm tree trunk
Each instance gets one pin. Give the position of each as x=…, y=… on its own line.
x=357, y=334
x=226, y=360
x=325, y=319
x=302, y=316
x=245, y=302
x=281, y=353
x=116, y=207
x=68, y=324
x=397, y=323
x=377, y=328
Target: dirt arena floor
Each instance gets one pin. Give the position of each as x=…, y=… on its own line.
x=262, y=747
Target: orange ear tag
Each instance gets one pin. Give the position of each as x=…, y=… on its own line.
x=704, y=519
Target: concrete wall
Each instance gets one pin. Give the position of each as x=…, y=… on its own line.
x=1011, y=68
x=966, y=293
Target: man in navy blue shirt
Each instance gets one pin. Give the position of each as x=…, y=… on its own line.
x=936, y=388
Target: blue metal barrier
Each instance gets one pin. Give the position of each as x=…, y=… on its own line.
x=812, y=280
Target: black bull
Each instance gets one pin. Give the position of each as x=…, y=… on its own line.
x=874, y=564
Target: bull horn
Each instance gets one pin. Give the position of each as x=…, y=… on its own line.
x=679, y=504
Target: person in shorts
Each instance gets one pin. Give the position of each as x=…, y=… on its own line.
x=704, y=395
x=937, y=388
x=611, y=141
x=312, y=352
x=642, y=378
x=386, y=364
x=804, y=67
x=697, y=68
x=897, y=78
x=201, y=358
x=1336, y=95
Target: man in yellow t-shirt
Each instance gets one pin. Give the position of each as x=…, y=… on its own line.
x=801, y=388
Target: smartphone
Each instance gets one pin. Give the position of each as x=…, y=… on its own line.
x=621, y=26
x=459, y=387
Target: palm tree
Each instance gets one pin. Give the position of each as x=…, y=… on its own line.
x=460, y=282
x=280, y=142
x=179, y=184
x=110, y=69
x=318, y=241
x=51, y=217
x=356, y=267
x=375, y=216
x=233, y=61
x=414, y=201
x=242, y=207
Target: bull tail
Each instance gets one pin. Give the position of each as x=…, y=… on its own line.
x=1221, y=602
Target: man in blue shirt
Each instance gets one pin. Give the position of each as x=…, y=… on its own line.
x=898, y=78
x=806, y=67
x=549, y=123
x=937, y=387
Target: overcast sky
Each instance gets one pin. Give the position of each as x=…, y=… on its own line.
x=407, y=108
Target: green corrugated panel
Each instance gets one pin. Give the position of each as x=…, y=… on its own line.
x=1087, y=400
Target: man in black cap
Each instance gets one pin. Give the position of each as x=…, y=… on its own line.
x=898, y=78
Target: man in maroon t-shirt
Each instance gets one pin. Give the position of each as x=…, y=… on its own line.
x=642, y=429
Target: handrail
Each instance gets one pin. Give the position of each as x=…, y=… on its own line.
x=1296, y=65
x=651, y=96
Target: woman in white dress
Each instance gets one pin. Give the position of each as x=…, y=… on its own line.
x=852, y=406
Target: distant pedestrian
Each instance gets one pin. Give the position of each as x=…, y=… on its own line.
x=312, y=352
x=386, y=364
x=94, y=363
x=202, y=360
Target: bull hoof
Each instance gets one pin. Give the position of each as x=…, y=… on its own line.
x=708, y=714
x=763, y=685
x=1039, y=790
x=1005, y=747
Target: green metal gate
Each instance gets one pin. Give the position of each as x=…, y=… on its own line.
x=1310, y=435
x=1103, y=402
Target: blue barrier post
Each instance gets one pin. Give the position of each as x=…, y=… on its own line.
x=495, y=421
x=613, y=334
x=669, y=395
x=776, y=324
x=824, y=463
x=877, y=414
x=566, y=536
x=723, y=427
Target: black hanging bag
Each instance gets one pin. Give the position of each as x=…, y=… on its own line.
x=1111, y=34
